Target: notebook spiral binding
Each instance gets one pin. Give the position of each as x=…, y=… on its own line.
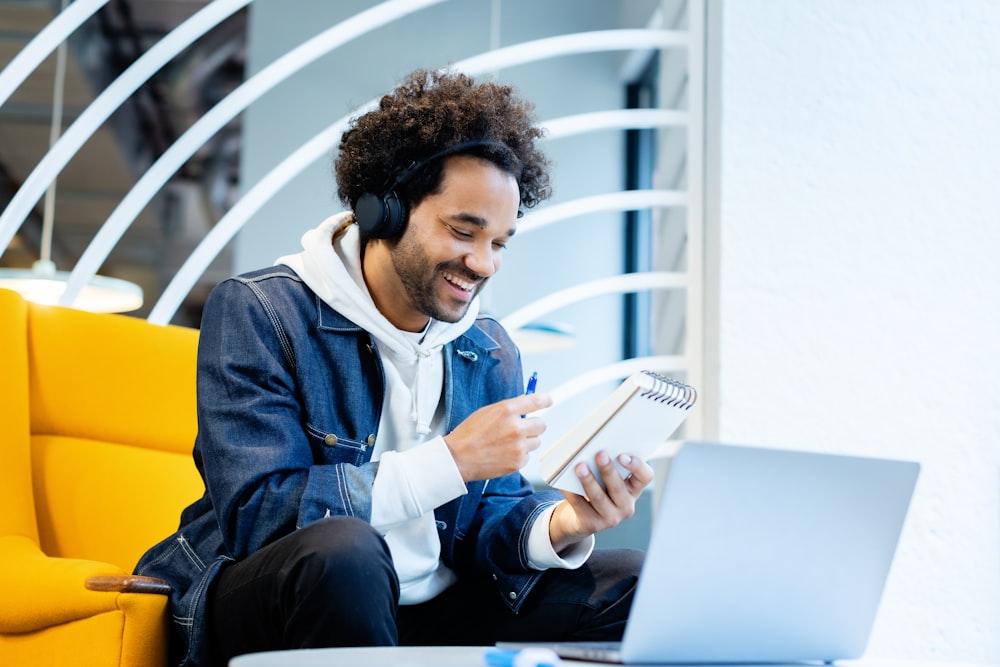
x=670, y=391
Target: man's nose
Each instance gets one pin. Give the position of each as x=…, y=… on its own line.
x=483, y=260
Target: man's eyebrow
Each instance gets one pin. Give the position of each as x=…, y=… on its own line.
x=477, y=221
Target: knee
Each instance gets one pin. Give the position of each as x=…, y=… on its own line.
x=616, y=572
x=340, y=537
x=338, y=586
x=631, y=560
x=337, y=555
x=619, y=563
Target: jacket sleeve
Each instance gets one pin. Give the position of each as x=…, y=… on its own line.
x=260, y=470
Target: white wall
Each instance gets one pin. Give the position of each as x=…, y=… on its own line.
x=860, y=274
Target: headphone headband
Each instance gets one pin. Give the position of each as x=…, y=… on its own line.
x=417, y=165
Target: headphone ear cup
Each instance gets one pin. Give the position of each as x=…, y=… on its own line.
x=370, y=213
x=395, y=216
x=380, y=217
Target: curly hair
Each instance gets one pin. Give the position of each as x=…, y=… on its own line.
x=434, y=111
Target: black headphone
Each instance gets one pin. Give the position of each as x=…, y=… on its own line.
x=384, y=216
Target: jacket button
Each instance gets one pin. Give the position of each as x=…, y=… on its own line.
x=371, y=439
x=494, y=577
x=512, y=595
x=330, y=440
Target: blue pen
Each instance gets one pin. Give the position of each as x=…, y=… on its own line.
x=532, y=381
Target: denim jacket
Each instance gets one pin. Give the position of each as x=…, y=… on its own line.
x=289, y=400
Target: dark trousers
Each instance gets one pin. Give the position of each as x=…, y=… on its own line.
x=333, y=584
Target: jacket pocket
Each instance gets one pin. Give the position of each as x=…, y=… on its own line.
x=335, y=448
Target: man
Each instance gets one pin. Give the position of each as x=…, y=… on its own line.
x=361, y=428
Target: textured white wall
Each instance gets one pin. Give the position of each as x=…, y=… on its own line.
x=860, y=286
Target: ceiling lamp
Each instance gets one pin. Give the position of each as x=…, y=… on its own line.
x=42, y=283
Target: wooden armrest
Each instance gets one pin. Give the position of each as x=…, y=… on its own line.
x=128, y=583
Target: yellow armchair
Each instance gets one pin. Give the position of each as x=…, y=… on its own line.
x=97, y=420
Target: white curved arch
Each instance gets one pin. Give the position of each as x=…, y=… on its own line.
x=157, y=175
x=616, y=371
x=237, y=216
x=277, y=177
x=624, y=200
x=581, y=42
x=615, y=119
x=625, y=282
x=239, y=99
x=101, y=108
x=41, y=45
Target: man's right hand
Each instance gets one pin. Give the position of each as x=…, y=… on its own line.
x=496, y=440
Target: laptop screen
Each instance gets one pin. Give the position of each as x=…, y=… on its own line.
x=767, y=555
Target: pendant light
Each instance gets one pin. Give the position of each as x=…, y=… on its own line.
x=42, y=283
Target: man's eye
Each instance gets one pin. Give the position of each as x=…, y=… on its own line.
x=460, y=232
x=500, y=245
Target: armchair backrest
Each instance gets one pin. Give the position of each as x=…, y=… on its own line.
x=111, y=418
x=17, y=505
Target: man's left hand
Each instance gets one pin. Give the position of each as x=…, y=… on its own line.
x=602, y=508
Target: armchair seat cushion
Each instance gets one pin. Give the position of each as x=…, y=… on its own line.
x=40, y=592
x=48, y=617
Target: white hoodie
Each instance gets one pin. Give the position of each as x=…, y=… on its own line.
x=411, y=481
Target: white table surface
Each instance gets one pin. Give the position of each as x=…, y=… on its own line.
x=462, y=656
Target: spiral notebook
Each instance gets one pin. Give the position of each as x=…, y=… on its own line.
x=636, y=418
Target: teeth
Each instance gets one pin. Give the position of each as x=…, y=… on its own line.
x=458, y=282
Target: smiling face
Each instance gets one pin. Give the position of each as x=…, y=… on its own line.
x=453, y=243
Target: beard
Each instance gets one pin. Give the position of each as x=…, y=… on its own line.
x=421, y=279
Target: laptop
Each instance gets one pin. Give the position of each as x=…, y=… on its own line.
x=762, y=555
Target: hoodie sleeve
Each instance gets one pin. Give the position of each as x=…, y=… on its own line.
x=414, y=482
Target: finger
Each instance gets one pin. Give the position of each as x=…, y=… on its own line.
x=528, y=403
x=533, y=443
x=640, y=476
x=532, y=426
x=593, y=489
x=614, y=483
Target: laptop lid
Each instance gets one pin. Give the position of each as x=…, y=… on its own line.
x=766, y=555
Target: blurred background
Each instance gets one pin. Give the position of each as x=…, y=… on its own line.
x=789, y=204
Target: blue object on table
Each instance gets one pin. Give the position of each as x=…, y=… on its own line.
x=529, y=657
